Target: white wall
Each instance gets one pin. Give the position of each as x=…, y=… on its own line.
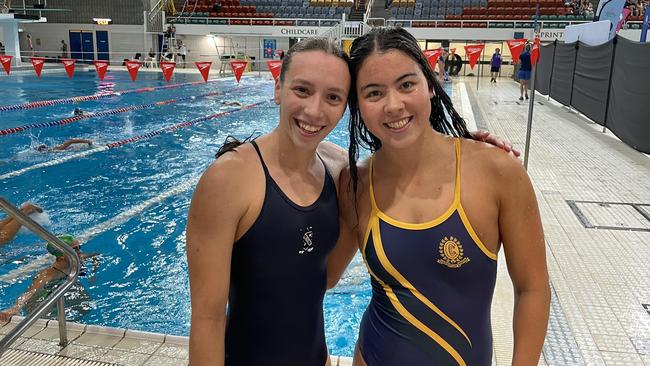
x=124, y=40
x=203, y=48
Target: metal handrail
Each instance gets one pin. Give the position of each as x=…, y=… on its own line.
x=57, y=295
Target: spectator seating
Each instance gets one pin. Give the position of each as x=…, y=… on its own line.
x=285, y=9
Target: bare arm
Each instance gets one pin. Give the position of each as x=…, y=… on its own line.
x=40, y=280
x=217, y=206
x=347, y=245
x=70, y=142
x=522, y=235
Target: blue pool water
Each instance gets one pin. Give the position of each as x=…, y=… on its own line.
x=141, y=281
x=130, y=203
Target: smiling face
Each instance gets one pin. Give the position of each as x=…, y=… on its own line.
x=394, y=98
x=312, y=96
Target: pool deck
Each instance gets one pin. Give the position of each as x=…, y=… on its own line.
x=594, y=195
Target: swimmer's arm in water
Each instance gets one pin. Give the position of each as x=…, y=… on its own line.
x=347, y=245
x=218, y=204
x=40, y=280
x=70, y=142
x=520, y=230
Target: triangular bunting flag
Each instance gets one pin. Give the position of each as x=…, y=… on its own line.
x=473, y=53
x=433, y=56
x=167, y=69
x=204, y=69
x=534, y=56
x=238, y=68
x=38, y=62
x=101, y=67
x=133, y=67
x=6, y=63
x=275, y=67
x=68, y=63
x=516, y=46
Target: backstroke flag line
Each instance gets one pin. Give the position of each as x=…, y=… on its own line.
x=516, y=46
x=204, y=69
x=473, y=53
x=238, y=68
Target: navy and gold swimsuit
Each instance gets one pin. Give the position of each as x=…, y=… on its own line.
x=432, y=286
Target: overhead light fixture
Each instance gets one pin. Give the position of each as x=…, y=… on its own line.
x=102, y=21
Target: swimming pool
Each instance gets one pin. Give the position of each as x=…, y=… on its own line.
x=127, y=198
x=129, y=202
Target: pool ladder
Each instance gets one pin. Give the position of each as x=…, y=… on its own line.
x=57, y=295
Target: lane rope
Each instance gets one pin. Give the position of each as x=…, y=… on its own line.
x=129, y=140
x=65, y=121
x=101, y=95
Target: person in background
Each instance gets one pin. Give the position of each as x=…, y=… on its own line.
x=64, y=146
x=182, y=51
x=30, y=45
x=495, y=65
x=46, y=280
x=524, y=71
x=9, y=226
x=64, y=49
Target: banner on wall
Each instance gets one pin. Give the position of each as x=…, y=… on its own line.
x=133, y=67
x=534, y=56
x=473, y=53
x=238, y=68
x=610, y=10
x=101, y=67
x=269, y=48
x=516, y=46
x=6, y=63
x=68, y=64
x=204, y=69
x=38, y=62
x=433, y=56
x=275, y=67
x=167, y=68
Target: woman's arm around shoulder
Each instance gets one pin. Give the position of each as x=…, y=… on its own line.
x=219, y=202
x=521, y=232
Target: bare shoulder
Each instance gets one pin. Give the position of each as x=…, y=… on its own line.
x=334, y=156
x=228, y=178
x=346, y=180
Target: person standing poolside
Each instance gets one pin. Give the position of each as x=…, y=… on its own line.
x=495, y=65
x=9, y=226
x=263, y=220
x=524, y=72
x=430, y=210
x=64, y=49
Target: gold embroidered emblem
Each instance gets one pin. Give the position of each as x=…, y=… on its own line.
x=451, y=253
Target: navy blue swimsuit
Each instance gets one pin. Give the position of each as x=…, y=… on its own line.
x=278, y=280
x=432, y=286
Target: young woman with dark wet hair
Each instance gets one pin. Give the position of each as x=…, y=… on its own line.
x=431, y=246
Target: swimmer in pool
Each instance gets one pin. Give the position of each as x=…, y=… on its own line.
x=64, y=146
x=47, y=278
x=9, y=226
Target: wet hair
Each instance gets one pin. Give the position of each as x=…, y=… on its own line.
x=42, y=147
x=443, y=118
x=309, y=44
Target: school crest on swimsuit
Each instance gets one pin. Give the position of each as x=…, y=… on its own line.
x=307, y=241
x=451, y=253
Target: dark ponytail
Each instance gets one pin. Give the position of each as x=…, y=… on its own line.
x=231, y=143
